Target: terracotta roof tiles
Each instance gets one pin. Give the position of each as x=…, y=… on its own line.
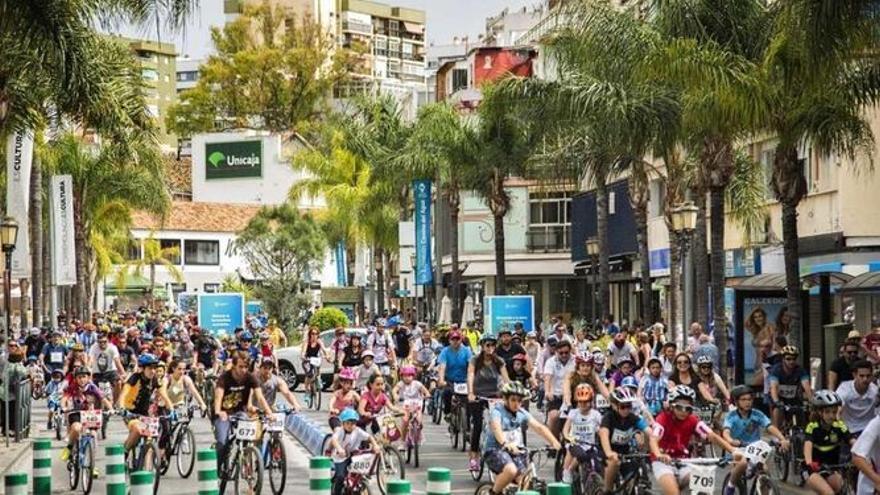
x=198, y=217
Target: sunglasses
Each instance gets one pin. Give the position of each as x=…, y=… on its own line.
x=683, y=407
x=790, y=359
x=624, y=406
x=705, y=366
x=683, y=362
x=489, y=344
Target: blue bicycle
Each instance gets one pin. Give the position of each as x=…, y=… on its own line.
x=81, y=463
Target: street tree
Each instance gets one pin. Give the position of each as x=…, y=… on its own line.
x=153, y=255
x=280, y=246
x=272, y=71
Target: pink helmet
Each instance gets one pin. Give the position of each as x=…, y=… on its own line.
x=348, y=374
x=408, y=370
x=584, y=357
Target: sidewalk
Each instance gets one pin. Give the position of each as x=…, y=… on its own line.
x=17, y=458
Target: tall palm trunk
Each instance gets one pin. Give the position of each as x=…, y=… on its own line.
x=790, y=187
x=36, y=234
x=380, y=278
x=602, y=234
x=716, y=202
x=24, y=303
x=675, y=302
x=47, y=282
x=499, y=204
x=700, y=256
x=453, y=200
x=639, y=196
x=80, y=294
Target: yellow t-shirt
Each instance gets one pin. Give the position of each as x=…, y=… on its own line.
x=275, y=335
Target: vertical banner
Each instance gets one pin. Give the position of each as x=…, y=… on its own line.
x=424, y=268
x=341, y=265
x=61, y=235
x=19, y=156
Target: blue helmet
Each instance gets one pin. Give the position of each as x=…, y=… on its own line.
x=147, y=360
x=349, y=414
x=629, y=381
x=247, y=336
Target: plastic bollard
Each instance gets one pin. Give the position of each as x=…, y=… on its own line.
x=320, y=482
x=399, y=487
x=206, y=465
x=115, y=469
x=439, y=482
x=16, y=484
x=142, y=483
x=42, y=466
x=558, y=489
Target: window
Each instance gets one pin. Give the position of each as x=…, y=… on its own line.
x=168, y=244
x=134, y=250
x=211, y=288
x=805, y=159
x=202, y=252
x=657, y=203
x=459, y=79
x=394, y=28
x=190, y=75
x=550, y=208
x=150, y=74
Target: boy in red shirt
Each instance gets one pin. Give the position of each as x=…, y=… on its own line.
x=673, y=429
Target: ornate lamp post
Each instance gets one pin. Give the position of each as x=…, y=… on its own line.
x=684, y=222
x=592, y=247
x=8, y=236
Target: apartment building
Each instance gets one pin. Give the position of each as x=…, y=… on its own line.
x=157, y=62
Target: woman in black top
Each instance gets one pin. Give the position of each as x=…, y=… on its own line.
x=351, y=354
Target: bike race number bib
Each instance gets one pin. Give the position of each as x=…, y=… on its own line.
x=151, y=426
x=757, y=452
x=460, y=388
x=621, y=437
x=413, y=404
x=275, y=422
x=56, y=357
x=182, y=411
x=702, y=480
x=514, y=437
x=106, y=389
x=788, y=391
x=584, y=432
x=246, y=430
x=91, y=420
x=602, y=402
x=315, y=362
x=361, y=463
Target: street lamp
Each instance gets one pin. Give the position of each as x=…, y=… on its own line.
x=412, y=263
x=377, y=267
x=8, y=237
x=684, y=222
x=592, y=247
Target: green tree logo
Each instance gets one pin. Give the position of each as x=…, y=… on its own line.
x=216, y=158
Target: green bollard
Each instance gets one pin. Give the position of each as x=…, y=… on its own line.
x=206, y=465
x=320, y=482
x=558, y=489
x=439, y=482
x=42, y=466
x=142, y=483
x=399, y=487
x=115, y=469
x=16, y=484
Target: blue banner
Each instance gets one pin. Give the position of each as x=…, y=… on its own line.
x=221, y=313
x=422, y=196
x=254, y=307
x=341, y=265
x=506, y=311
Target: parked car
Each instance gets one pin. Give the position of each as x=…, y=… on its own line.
x=290, y=365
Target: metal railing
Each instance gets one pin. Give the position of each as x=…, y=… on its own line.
x=548, y=238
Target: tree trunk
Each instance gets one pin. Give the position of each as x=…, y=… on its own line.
x=453, y=201
x=24, y=303
x=36, y=233
x=602, y=234
x=500, y=273
x=647, y=308
x=47, y=283
x=700, y=256
x=675, y=300
x=80, y=292
x=716, y=198
x=790, y=187
x=380, y=279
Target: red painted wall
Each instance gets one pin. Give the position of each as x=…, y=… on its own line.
x=490, y=64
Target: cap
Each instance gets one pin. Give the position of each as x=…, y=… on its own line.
x=854, y=334
x=267, y=362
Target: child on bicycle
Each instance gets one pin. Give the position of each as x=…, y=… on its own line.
x=654, y=387
x=580, y=430
x=367, y=369
x=54, y=390
x=344, y=441
x=409, y=394
x=344, y=397
x=744, y=426
x=825, y=435
x=82, y=395
x=617, y=433
x=373, y=402
x=674, y=428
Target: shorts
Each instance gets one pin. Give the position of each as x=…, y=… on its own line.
x=73, y=418
x=496, y=459
x=107, y=376
x=662, y=469
x=554, y=404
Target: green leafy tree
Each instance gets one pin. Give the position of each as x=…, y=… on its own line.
x=153, y=255
x=280, y=246
x=327, y=318
x=272, y=71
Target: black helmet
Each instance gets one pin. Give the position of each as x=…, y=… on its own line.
x=488, y=338
x=740, y=390
x=82, y=370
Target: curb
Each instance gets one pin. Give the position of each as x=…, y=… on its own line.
x=19, y=462
x=308, y=433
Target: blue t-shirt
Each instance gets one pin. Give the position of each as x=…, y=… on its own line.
x=456, y=363
x=509, y=423
x=747, y=430
x=54, y=356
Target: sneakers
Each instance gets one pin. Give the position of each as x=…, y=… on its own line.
x=566, y=476
x=95, y=473
x=729, y=490
x=65, y=453
x=474, y=464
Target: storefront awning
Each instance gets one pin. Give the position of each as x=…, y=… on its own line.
x=866, y=282
x=776, y=281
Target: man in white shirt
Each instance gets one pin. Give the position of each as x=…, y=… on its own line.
x=620, y=348
x=859, y=397
x=555, y=370
x=866, y=455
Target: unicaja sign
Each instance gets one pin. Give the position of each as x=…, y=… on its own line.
x=233, y=160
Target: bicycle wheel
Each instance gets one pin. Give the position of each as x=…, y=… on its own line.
x=592, y=483
x=764, y=485
x=780, y=464
x=57, y=420
x=87, y=461
x=228, y=467
x=165, y=461
x=150, y=461
x=454, y=429
x=276, y=465
x=437, y=412
x=317, y=385
x=557, y=465
x=250, y=471
x=741, y=488
x=484, y=488
x=390, y=467
x=73, y=468
x=186, y=452
x=465, y=430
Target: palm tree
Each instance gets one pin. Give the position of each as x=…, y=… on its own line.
x=153, y=255
x=819, y=72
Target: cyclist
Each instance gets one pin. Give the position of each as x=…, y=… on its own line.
x=403, y=339
x=507, y=348
x=825, y=435
x=639, y=406
x=788, y=383
x=520, y=373
x=246, y=346
x=744, y=426
x=234, y=396
x=617, y=433
x=555, y=370
x=344, y=397
x=137, y=396
x=654, y=387
x=345, y=441
x=54, y=353
x=106, y=364
x=367, y=369
x=713, y=391
x=81, y=395
x=178, y=383
x=583, y=373
x=453, y=365
x=674, y=428
x=424, y=351
x=486, y=372
x=54, y=391
x=272, y=385
x=503, y=451
x=352, y=354
x=206, y=348
x=373, y=402
x=75, y=359
x=407, y=390
x=382, y=346
x=312, y=347
x=859, y=398
x=625, y=368
x=337, y=346
x=580, y=429
x=684, y=374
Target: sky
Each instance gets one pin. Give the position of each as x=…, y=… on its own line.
x=445, y=18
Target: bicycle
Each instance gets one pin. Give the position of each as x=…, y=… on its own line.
x=588, y=478
x=699, y=448
x=702, y=472
x=182, y=443
x=435, y=405
x=529, y=479
x=59, y=419
x=81, y=463
x=390, y=461
x=476, y=475
x=633, y=475
x=413, y=438
x=363, y=464
x=312, y=368
x=274, y=454
x=847, y=473
x=756, y=455
x=106, y=389
x=788, y=462
x=242, y=461
x=458, y=424
x=205, y=381
x=145, y=455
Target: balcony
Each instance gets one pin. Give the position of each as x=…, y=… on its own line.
x=548, y=238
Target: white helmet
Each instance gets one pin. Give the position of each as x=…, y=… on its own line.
x=825, y=398
x=682, y=392
x=704, y=359
x=623, y=395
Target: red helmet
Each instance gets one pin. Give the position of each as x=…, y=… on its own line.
x=455, y=334
x=520, y=357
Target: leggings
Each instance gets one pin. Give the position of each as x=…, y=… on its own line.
x=475, y=412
